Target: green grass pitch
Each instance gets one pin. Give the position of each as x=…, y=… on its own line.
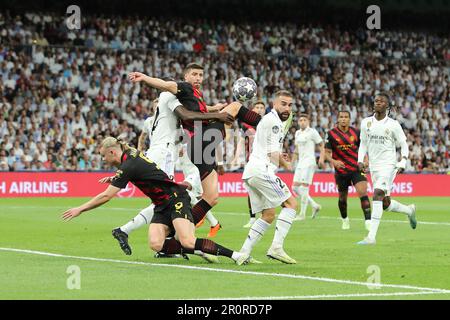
x=37, y=248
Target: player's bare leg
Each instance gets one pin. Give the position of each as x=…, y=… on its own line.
x=237, y=110
x=361, y=189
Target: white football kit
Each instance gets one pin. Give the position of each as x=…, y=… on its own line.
x=265, y=188
x=162, y=131
x=306, y=141
x=380, y=140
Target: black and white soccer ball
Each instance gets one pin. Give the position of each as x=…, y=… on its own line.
x=244, y=89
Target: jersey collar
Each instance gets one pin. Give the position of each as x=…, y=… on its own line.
x=275, y=113
x=382, y=120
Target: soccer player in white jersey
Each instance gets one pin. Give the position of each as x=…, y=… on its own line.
x=266, y=190
x=162, y=131
x=380, y=136
x=306, y=139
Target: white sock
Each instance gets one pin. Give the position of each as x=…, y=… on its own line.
x=377, y=212
x=144, y=217
x=283, y=225
x=312, y=202
x=396, y=206
x=212, y=220
x=303, y=199
x=256, y=232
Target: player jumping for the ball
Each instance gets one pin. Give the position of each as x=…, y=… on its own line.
x=204, y=135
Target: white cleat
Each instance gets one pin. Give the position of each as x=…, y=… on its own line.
x=243, y=258
x=280, y=255
x=300, y=217
x=210, y=258
x=250, y=223
x=367, y=241
x=251, y=260
x=367, y=224
x=345, y=224
x=315, y=211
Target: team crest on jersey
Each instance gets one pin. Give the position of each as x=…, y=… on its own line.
x=369, y=124
x=275, y=129
x=352, y=138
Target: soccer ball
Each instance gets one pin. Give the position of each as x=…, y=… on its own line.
x=244, y=89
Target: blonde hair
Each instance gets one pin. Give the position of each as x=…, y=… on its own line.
x=111, y=142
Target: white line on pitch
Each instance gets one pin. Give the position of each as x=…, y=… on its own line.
x=329, y=296
x=136, y=210
x=280, y=275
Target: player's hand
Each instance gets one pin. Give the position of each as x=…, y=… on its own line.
x=321, y=163
x=362, y=167
x=225, y=117
x=338, y=164
x=106, y=179
x=136, y=76
x=70, y=214
x=220, y=170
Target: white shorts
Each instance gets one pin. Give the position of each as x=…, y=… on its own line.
x=266, y=192
x=164, y=158
x=383, y=179
x=304, y=175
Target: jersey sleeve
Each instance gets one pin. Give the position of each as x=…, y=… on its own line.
x=183, y=89
x=316, y=137
x=400, y=136
x=123, y=176
x=170, y=100
x=147, y=123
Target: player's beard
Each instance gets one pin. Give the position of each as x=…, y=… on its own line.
x=284, y=116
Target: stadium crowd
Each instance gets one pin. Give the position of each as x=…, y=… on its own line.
x=63, y=91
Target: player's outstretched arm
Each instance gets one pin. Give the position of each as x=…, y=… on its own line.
x=95, y=202
x=141, y=141
x=188, y=115
x=170, y=86
x=322, y=155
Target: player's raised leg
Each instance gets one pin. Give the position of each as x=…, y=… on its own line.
x=395, y=206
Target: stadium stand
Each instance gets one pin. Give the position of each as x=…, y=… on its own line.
x=62, y=92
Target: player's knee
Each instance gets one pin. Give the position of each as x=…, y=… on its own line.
x=268, y=217
x=211, y=198
x=378, y=195
x=187, y=242
x=156, y=244
x=291, y=203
